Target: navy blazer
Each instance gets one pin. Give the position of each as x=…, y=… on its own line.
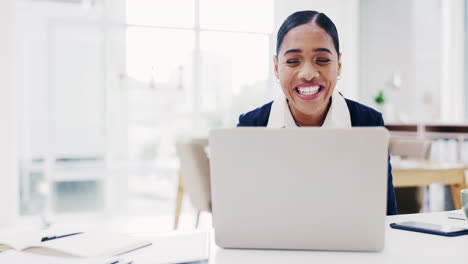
x=361, y=115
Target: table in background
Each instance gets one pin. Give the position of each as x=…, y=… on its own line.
x=415, y=173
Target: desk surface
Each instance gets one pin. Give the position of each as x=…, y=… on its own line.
x=400, y=247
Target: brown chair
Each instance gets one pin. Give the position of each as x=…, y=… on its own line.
x=410, y=147
x=194, y=176
x=409, y=199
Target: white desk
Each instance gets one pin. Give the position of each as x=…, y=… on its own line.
x=400, y=247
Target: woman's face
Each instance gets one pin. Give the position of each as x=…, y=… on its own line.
x=307, y=67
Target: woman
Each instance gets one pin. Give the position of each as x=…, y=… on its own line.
x=307, y=65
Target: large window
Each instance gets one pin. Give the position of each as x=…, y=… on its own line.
x=190, y=69
x=110, y=87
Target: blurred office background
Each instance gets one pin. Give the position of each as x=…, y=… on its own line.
x=96, y=92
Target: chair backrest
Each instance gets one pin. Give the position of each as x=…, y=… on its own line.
x=195, y=172
x=410, y=147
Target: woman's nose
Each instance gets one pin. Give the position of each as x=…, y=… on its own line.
x=308, y=72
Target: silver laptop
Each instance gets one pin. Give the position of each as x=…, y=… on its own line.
x=299, y=188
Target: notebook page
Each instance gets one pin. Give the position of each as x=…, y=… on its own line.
x=89, y=245
x=13, y=256
x=19, y=240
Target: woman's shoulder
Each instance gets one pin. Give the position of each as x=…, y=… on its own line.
x=362, y=115
x=256, y=117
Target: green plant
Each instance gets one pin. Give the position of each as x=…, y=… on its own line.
x=380, y=98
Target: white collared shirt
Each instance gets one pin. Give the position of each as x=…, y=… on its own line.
x=338, y=115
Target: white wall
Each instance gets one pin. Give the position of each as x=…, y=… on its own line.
x=413, y=50
x=9, y=189
x=427, y=83
x=345, y=15
x=386, y=52
x=452, y=60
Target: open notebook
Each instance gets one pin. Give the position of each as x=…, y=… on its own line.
x=14, y=256
x=81, y=245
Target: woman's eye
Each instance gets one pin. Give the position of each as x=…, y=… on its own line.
x=292, y=61
x=323, y=61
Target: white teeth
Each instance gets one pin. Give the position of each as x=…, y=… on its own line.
x=308, y=90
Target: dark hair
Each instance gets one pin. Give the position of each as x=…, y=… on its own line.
x=304, y=17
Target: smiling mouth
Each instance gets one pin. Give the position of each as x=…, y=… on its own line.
x=308, y=90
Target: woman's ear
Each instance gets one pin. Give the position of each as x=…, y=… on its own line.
x=275, y=63
x=339, y=64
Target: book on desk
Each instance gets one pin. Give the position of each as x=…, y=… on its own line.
x=73, y=244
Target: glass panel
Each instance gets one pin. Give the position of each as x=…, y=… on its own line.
x=159, y=78
x=235, y=73
x=71, y=196
x=240, y=15
x=76, y=76
x=174, y=13
x=57, y=129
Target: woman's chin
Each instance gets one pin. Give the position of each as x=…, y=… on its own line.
x=309, y=107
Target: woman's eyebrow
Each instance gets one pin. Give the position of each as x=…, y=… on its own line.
x=299, y=50
x=292, y=51
x=322, y=49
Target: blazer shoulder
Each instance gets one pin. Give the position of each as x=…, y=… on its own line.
x=256, y=117
x=362, y=115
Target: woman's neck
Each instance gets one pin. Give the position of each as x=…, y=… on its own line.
x=310, y=119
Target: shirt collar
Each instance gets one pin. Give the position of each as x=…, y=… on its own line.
x=338, y=115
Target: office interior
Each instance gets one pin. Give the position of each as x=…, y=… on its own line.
x=96, y=93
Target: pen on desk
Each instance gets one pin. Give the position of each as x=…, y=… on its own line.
x=56, y=237
x=120, y=261
x=456, y=218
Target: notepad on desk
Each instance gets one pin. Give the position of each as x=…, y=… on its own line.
x=79, y=245
x=13, y=256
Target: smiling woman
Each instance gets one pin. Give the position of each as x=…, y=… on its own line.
x=307, y=66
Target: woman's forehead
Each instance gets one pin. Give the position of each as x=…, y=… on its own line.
x=307, y=37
